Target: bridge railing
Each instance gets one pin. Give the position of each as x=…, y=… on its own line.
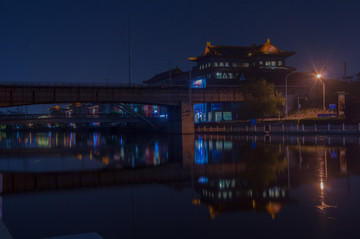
x=73, y=116
x=102, y=84
x=68, y=84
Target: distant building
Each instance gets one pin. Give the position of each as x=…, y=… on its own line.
x=56, y=111
x=165, y=78
x=225, y=66
x=230, y=65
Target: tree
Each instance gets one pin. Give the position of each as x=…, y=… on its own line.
x=261, y=100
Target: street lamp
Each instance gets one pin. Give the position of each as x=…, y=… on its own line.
x=299, y=106
x=318, y=76
x=286, y=101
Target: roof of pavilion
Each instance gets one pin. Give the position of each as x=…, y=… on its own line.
x=240, y=51
x=175, y=72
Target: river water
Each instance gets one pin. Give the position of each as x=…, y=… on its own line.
x=157, y=186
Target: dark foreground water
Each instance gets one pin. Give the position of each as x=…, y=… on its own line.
x=154, y=186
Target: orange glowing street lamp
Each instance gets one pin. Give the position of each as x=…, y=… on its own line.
x=318, y=76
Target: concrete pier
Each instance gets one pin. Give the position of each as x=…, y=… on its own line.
x=183, y=124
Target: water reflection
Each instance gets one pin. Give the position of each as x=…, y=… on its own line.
x=272, y=167
x=66, y=151
x=230, y=178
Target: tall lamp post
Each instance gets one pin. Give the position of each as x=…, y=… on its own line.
x=318, y=76
x=298, y=101
x=286, y=94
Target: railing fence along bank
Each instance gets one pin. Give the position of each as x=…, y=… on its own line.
x=279, y=129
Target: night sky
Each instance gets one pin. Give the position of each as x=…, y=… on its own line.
x=87, y=40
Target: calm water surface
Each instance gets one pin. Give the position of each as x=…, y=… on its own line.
x=156, y=186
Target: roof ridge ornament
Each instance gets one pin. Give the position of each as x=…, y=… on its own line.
x=207, y=48
x=269, y=48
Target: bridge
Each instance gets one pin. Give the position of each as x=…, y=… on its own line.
x=178, y=99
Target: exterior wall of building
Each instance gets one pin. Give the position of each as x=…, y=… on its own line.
x=226, y=71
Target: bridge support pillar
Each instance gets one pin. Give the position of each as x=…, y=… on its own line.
x=181, y=118
x=182, y=149
x=188, y=150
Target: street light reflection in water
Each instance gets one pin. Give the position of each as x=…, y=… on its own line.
x=214, y=181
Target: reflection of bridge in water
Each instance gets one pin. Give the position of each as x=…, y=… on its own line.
x=165, y=174
x=189, y=160
x=37, y=119
x=222, y=187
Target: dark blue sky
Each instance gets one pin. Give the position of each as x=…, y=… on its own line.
x=87, y=40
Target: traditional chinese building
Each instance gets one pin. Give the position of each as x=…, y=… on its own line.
x=230, y=65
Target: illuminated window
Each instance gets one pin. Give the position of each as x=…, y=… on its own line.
x=273, y=63
x=200, y=68
x=235, y=65
x=231, y=76
x=261, y=63
x=209, y=64
x=246, y=64
x=218, y=75
x=225, y=76
x=201, y=83
x=221, y=64
x=215, y=64
x=280, y=63
x=227, y=116
x=267, y=63
x=227, y=64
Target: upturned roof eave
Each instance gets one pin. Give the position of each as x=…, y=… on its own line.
x=196, y=59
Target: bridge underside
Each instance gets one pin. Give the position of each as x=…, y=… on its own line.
x=179, y=100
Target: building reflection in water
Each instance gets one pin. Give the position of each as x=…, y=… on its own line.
x=256, y=187
x=22, y=151
x=270, y=172
x=234, y=194
x=212, y=151
x=229, y=173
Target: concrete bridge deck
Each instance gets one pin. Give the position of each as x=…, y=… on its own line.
x=28, y=94
x=178, y=99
